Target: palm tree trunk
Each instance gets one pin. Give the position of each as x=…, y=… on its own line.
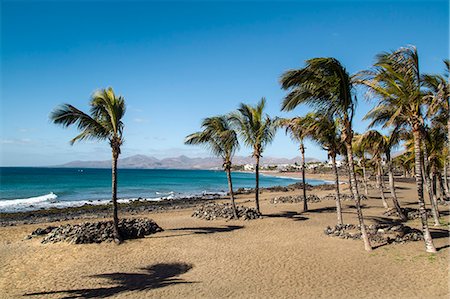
x=445, y=173
x=381, y=185
x=426, y=175
x=429, y=246
x=435, y=190
x=338, y=196
x=257, y=184
x=366, y=191
x=347, y=167
x=305, y=202
x=442, y=184
x=354, y=188
x=117, y=236
x=448, y=143
x=392, y=187
x=230, y=188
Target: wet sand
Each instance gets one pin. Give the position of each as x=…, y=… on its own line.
x=284, y=255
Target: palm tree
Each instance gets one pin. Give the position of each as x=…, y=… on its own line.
x=381, y=144
x=375, y=143
x=438, y=100
x=298, y=128
x=103, y=123
x=324, y=130
x=395, y=79
x=325, y=85
x=438, y=97
x=360, y=153
x=406, y=162
x=222, y=141
x=257, y=130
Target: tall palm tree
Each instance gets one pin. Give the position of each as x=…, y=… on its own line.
x=325, y=85
x=438, y=97
x=324, y=131
x=381, y=144
x=396, y=81
x=375, y=143
x=103, y=123
x=222, y=141
x=257, y=130
x=438, y=100
x=298, y=128
x=360, y=153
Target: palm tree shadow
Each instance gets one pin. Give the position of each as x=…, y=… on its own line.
x=201, y=230
x=323, y=210
x=153, y=277
x=288, y=214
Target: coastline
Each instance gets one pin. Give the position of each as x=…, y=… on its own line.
x=285, y=254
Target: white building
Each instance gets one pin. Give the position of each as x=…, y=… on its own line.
x=249, y=167
x=339, y=163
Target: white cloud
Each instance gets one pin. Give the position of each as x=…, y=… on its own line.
x=15, y=141
x=140, y=120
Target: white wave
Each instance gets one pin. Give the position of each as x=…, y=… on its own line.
x=50, y=198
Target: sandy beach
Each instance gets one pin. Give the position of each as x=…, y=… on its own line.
x=284, y=255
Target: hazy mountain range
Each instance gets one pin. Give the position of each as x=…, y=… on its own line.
x=181, y=162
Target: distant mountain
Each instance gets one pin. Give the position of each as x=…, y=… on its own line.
x=181, y=162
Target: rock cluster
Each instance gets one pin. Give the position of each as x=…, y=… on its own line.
x=410, y=213
x=213, y=211
x=294, y=199
x=97, y=232
x=443, y=202
x=342, y=196
x=378, y=233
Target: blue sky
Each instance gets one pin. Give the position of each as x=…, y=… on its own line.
x=178, y=62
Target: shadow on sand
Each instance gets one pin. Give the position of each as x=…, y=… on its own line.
x=201, y=230
x=288, y=214
x=152, y=277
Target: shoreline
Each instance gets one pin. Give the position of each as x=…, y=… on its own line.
x=88, y=211
x=50, y=201
x=285, y=254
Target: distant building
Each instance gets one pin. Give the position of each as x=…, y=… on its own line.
x=249, y=167
x=339, y=163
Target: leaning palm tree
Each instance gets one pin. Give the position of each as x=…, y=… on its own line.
x=325, y=85
x=222, y=141
x=375, y=143
x=299, y=128
x=438, y=100
x=257, y=130
x=360, y=153
x=381, y=144
x=103, y=123
x=438, y=97
x=325, y=132
x=395, y=80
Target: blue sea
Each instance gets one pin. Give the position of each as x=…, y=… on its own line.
x=26, y=188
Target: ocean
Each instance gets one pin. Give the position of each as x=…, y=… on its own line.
x=29, y=188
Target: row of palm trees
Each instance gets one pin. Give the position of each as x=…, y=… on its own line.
x=403, y=95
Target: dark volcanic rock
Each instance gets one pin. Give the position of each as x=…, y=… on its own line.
x=42, y=231
x=294, y=199
x=342, y=196
x=409, y=212
x=213, y=211
x=378, y=233
x=97, y=232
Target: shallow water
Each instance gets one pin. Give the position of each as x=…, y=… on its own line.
x=24, y=188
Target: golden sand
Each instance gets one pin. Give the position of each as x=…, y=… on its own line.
x=284, y=255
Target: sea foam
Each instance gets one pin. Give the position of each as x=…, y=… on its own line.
x=51, y=197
